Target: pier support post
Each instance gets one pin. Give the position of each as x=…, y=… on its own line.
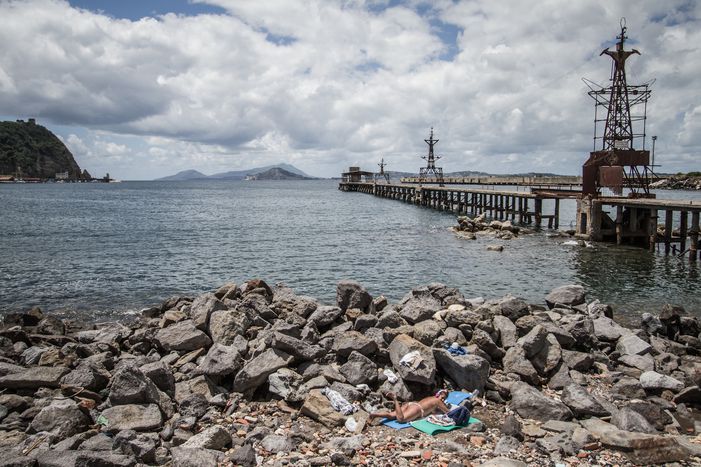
x=683, y=221
x=557, y=213
x=619, y=225
x=652, y=229
x=538, y=212
x=667, y=231
x=694, y=236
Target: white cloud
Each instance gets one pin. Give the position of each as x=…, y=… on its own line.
x=322, y=84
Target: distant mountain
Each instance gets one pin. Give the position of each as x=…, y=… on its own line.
x=234, y=174
x=277, y=173
x=184, y=175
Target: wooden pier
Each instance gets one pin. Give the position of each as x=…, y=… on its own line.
x=520, y=207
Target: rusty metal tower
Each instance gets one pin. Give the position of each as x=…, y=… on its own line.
x=425, y=172
x=382, y=172
x=622, y=128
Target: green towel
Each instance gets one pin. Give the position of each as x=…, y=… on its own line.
x=432, y=428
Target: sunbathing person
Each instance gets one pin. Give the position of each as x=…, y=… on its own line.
x=410, y=411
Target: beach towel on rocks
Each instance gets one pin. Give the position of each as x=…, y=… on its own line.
x=455, y=397
x=432, y=429
x=395, y=424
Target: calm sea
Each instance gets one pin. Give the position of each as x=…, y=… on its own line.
x=103, y=250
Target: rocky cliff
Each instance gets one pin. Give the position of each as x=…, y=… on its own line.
x=29, y=150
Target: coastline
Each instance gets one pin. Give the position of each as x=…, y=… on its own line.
x=234, y=377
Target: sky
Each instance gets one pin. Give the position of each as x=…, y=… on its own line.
x=146, y=88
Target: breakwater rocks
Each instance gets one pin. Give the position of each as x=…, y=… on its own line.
x=469, y=228
x=678, y=182
x=240, y=377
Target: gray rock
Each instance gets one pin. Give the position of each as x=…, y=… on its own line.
x=131, y=386
x=202, y=308
x=352, y=341
x=285, y=383
x=424, y=371
x=567, y=295
x=226, y=325
x=512, y=427
x=359, y=369
x=364, y=322
x=427, y=332
x=214, y=437
x=630, y=420
x=9, y=368
x=277, y=443
x=244, y=456
x=298, y=348
x=195, y=457
x=194, y=405
x=534, y=341
x=628, y=387
x=317, y=407
x=549, y=356
x=323, y=316
x=506, y=444
x=419, y=308
x=508, y=335
x=579, y=361
x=688, y=395
x=350, y=294
x=630, y=344
x=581, y=402
x=606, y=329
x=581, y=328
x=561, y=378
x=62, y=417
x=256, y=371
x=88, y=376
x=482, y=340
x=391, y=319
x=515, y=361
x=528, y=402
x=220, y=361
x=52, y=326
x=503, y=462
x=140, y=445
x=137, y=417
x=182, y=336
x=198, y=385
x=469, y=371
x=653, y=381
x=641, y=362
x=34, y=378
x=513, y=308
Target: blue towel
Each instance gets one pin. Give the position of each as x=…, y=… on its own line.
x=455, y=397
x=395, y=424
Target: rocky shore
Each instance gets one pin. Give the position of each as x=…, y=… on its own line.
x=678, y=182
x=239, y=377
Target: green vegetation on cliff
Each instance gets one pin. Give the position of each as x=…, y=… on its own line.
x=28, y=150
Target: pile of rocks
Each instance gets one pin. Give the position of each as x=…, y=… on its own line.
x=678, y=182
x=469, y=228
x=237, y=377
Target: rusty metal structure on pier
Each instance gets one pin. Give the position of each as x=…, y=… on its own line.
x=618, y=165
x=382, y=173
x=431, y=158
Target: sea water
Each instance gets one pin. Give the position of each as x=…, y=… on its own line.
x=98, y=251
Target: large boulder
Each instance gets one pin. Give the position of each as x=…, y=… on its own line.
x=285, y=384
x=317, y=407
x=515, y=361
x=421, y=369
x=324, y=315
x=549, y=356
x=89, y=376
x=567, y=295
x=534, y=341
x=350, y=294
x=34, y=378
x=182, y=336
x=419, y=307
x=359, y=369
x=256, y=371
x=162, y=376
x=225, y=325
x=296, y=347
x=214, y=437
x=353, y=341
x=513, y=308
x=220, y=361
x=528, y=402
x=469, y=371
x=202, y=308
x=508, y=335
x=137, y=417
x=131, y=386
x=630, y=420
x=581, y=402
x=653, y=381
x=62, y=417
x=606, y=329
x=630, y=344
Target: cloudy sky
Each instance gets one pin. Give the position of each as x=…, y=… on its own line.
x=146, y=88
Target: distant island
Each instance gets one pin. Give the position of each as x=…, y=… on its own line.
x=30, y=152
x=270, y=172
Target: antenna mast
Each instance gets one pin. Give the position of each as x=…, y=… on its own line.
x=425, y=172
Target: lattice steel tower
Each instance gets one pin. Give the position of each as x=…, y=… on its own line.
x=431, y=159
x=606, y=166
x=382, y=172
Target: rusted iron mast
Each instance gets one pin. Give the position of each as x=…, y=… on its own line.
x=425, y=172
x=382, y=172
x=607, y=167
